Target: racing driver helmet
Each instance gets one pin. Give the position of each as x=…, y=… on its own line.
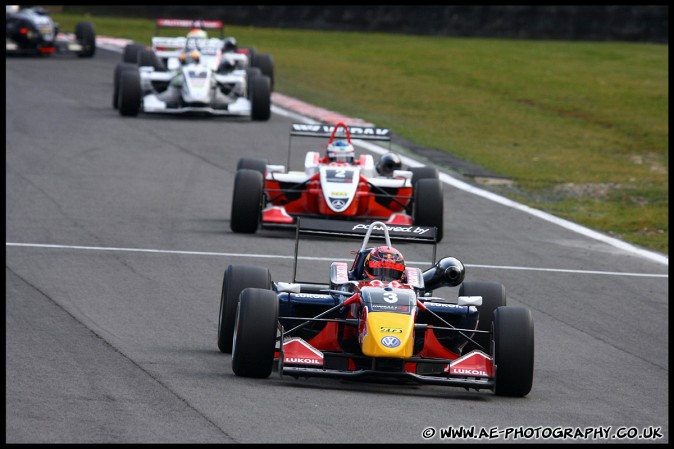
x=384, y=263
x=197, y=33
x=229, y=44
x=340, y=151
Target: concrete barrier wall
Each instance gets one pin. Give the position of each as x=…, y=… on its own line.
x=635, y=23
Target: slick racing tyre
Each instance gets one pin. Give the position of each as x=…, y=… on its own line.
x=251, y=51
x=251, y=72
x=131, y=52
x=513, y=351
x=147, y=57
x=247, y=201
x=119, y=68
x=428, y=208
x=252, y=164
x=266, y=64
x=260, y=98
x=255, y=333
x=235, y=280
x=86, y=37
x=424, y=172
x=130, y=94
x=493, y=296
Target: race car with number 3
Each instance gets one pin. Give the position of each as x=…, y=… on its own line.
x=377, y=319
x=338, y=185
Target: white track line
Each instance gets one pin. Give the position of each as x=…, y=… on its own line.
x=270, y=256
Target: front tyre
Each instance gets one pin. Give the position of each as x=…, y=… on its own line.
x=247, y=201
x=119, y=68
x=130, y=94
x=86, y=37
x=266, y=64
x=260, y=98
x=252, y=164
x=235, y=280
x=513, y=351
x=251, y=72
x=255, y=333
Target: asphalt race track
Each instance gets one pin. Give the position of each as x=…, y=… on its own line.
x=117, y=237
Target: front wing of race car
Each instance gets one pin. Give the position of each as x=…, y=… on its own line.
x=240, y=107
x=153, y=103
x=475, y=370
x=291, y=195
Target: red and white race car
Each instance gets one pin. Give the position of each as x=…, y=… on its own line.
x=336, y=185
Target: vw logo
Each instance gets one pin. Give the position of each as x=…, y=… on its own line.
x=338, y=204
x=390, y=342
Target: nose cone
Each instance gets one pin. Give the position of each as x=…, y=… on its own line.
x=388, y=334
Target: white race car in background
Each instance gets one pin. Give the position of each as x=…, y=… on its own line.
x=190, y=74
x=168, y=47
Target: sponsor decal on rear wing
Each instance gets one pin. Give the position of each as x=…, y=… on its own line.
x=181, y=23
x=357, y=132
x=340, y=228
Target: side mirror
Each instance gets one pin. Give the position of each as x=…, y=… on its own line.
x=448, y=272
x=470, y=300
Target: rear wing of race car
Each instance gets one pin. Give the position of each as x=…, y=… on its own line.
x=354, y=229
x=166, y=47
x=188, y=24
x=357, y=132
x=330, y=131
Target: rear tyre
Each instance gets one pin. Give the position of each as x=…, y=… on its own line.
x=255, y=333
x=260, y=98
x=235, y=280
x=493, y=296
x=429, y=205
x=147, y=57
x=266, y=64
x=252, y=164
x=86, y=37
x=131, y=52
x=251, y=54
x=247, y=201
x=119, y=68
x=513, y=351
x=424, y=172
x=130, y=93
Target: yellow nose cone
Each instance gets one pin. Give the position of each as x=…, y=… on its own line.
x=388, y=335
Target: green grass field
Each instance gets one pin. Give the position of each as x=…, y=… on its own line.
x=580, y=128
